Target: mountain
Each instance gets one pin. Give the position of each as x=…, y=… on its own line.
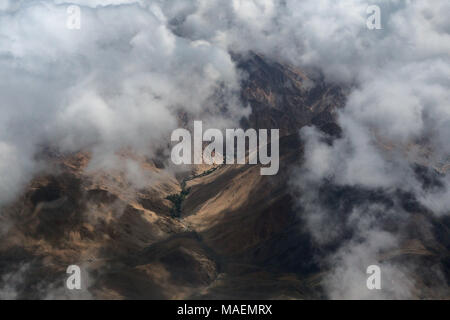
x=218, y=232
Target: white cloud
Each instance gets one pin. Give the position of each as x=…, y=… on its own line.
x=120, y=80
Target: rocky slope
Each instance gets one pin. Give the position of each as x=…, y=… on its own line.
x=235, y=234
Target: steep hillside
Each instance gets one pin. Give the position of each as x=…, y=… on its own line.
x=217, y=232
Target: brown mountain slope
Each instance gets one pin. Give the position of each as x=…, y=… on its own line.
x=237, y=234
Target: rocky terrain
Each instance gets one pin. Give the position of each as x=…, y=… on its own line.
x=216, y=232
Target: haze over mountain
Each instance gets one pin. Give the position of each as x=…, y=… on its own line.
x=86, y=176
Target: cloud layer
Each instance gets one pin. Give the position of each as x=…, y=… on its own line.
x=125, y=76
x=119, y=81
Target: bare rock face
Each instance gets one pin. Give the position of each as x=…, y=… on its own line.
x=284, y=97
x=236, y=234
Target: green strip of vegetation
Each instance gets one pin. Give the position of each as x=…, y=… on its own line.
x=177, y=199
